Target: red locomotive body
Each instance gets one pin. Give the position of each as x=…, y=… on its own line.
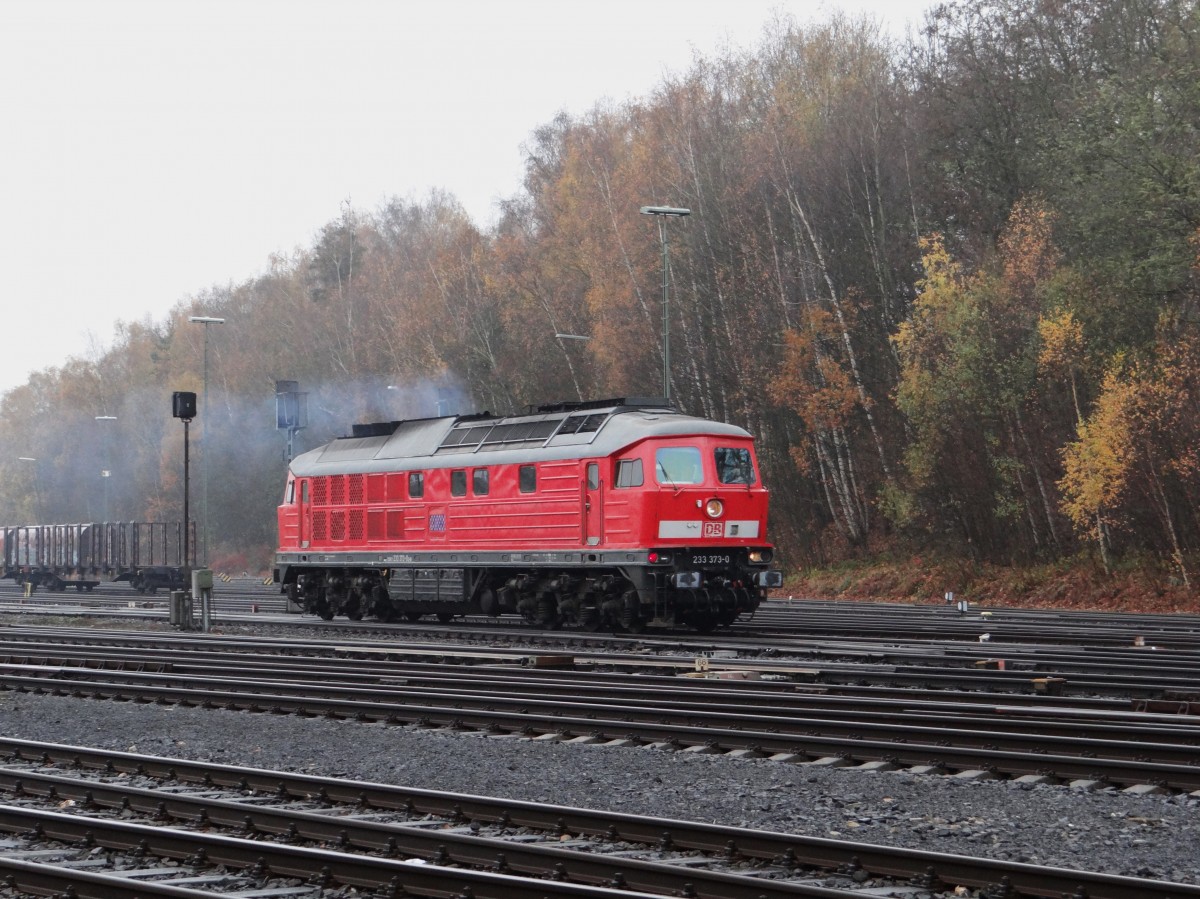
x=618, y=513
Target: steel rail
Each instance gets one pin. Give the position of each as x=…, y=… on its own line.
x=302, y=862
x=358, y=671
x=899, y=723
x=42, y=879
x=441, y=847
x=776, y=848
x=937, y=755
x=1141, y=740
x=1095, y=677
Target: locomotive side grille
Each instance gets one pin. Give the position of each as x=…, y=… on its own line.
x=356, y=490
x=337, y=490
x=320, y=526
x=337, y=525
x=320, y=491
x=357, y=524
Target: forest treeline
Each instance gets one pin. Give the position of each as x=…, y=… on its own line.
x=950, y=283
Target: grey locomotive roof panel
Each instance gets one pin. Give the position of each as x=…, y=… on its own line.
x=474, y=440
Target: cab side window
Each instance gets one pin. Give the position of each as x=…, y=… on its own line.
x=458, y=482
x=629, y=473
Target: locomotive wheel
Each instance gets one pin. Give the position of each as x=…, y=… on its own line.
x=631, y=619
x=547, y=613
x=592, y=620
x=325, y=611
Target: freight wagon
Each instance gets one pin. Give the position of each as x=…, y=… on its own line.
x=146, y=554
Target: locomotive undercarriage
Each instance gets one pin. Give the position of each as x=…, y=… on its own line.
x=622, y=598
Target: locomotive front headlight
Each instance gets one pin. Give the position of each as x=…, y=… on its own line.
x=713, y=508
x=761, y=555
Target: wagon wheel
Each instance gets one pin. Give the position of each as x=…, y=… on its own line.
x=325, y=611
x=414, y=617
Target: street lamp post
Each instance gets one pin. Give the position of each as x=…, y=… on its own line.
x=106, y=472
x=662, y=213
x=205, y=320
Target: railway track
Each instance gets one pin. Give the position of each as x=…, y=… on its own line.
x=1022, y=734
x=786, y=624
x=93, y=823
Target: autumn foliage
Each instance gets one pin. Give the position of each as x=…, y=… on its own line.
x=950, y=284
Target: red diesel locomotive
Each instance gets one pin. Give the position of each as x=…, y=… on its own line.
x=615, y=514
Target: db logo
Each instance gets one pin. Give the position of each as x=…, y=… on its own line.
x=714, y=529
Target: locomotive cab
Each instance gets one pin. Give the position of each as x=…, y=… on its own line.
x=703, y=520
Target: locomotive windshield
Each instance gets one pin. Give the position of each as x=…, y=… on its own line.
x=676, y=465
x=734, y=465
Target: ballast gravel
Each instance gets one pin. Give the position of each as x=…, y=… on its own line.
x=1148, y=836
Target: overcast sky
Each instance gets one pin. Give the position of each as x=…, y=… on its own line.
x=155, y=148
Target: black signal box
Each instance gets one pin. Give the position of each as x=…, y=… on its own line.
x=183, y=404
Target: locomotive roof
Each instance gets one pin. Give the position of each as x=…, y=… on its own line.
x=560, y=431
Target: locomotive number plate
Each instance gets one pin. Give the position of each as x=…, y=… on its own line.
x=711, y=560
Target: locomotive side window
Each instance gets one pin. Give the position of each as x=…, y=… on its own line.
x=290, y=498
x=593, y=476
x=629, y=473
x=479, y=481
x=458, y=482
x=674, y=465
x=416, y=484
x=304, y=491
x=734, y=465
x=527, y=478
